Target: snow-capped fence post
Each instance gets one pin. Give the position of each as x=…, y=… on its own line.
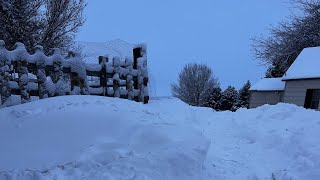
x=103, y=74
x=129, y=79
x=136, y=55
x=57, y=75
x=116, y=77
x=41, y=72
x=22, y=67
x=146, y=93
x=78, y=75
x=140, y=63
x=5, y=90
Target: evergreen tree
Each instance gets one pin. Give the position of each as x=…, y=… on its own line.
x=214, y=98
x=229, y=98
x=244, y=96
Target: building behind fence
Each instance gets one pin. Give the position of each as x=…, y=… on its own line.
x=45, y=76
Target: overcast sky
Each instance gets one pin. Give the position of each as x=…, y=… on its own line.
x=177, y=32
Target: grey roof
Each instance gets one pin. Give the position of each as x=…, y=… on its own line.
x=92, y=50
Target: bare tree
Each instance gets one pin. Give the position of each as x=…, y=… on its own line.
x=194, y=84
x=289, y=38
x=63, y=18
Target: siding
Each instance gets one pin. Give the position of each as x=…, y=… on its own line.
x=295, y=90
x=259, y=98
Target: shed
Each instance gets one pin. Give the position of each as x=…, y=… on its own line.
x=267, y=91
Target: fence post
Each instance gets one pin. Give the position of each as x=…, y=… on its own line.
x=136, y=55
x=129, y=82
x=5, y=90
x=57, y=75
x=103, y=74
x=140, y=63
x=78, y=75
x=23, y=72
x=41, y=72
x=116, y=77
x=145, y=83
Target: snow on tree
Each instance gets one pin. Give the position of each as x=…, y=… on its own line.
x=229, y=98
x=50, y=23
x=20, y=22
x=194, y=84
x=214, y=100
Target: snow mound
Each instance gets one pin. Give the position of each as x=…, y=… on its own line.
x=88, y=137
x=91, y=137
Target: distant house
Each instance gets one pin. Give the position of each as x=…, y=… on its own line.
x=300, y=85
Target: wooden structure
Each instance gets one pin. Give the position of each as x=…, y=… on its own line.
x=36, y=74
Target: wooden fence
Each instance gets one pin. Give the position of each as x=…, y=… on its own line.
x=45, y=76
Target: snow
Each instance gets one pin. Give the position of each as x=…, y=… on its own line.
x=92, y=137
x=93, y=67
x=96, y=90
x=305, y=66
x=77, y=65
x=269, y=84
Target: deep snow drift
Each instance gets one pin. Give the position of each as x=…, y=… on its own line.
x=88, y=137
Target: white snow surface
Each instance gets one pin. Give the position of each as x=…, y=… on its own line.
x=269, y=84
x=91, y=137
x=305, y=66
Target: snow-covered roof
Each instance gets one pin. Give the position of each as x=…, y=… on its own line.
x=307, y=65
x=116, y=48
x=269, y=84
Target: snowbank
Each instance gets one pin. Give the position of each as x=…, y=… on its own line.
x=91, y=137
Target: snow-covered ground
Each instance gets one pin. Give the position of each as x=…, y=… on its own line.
x=88, y=137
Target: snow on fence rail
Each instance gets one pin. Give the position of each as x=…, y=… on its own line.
x=44, y=76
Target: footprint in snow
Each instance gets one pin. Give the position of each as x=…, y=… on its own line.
x=20, y=114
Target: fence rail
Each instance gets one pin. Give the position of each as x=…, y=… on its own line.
x=45, y=76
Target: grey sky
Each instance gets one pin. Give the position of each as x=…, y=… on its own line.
x=181, y=31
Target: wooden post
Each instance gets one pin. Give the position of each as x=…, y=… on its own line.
x=136, y=55
x=41, y=72
x=129, y=87
x=116, y=88
x=57, y=75
x=5, y=90
x=78, y=75
x=23, y=72
x=145, y=83
x=103, y=74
